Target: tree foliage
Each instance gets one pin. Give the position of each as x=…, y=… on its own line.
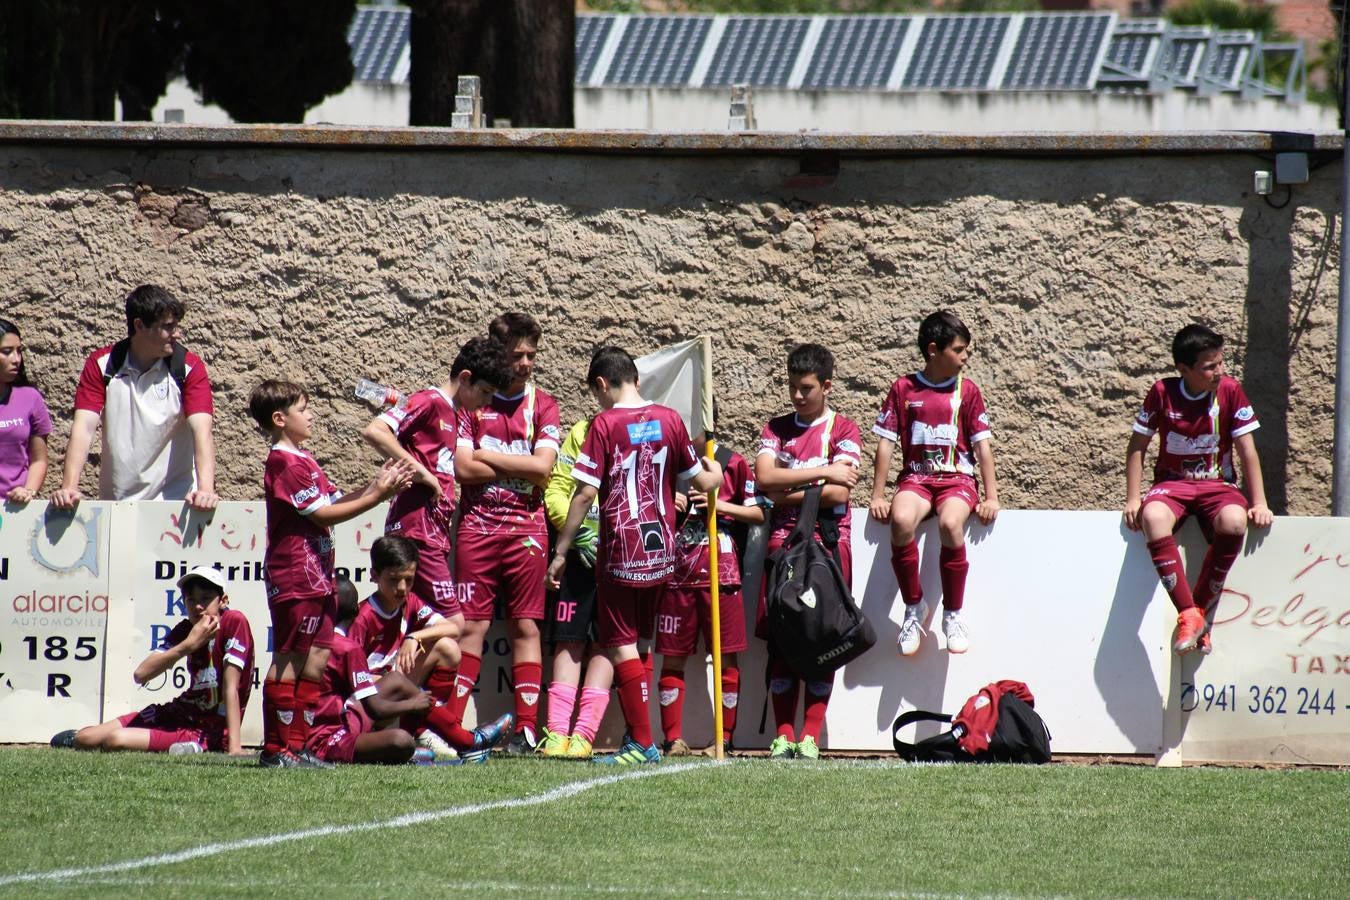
x=1225, y=14
x=261, y=60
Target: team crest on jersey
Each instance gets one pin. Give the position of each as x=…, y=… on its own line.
x=644, y=432
x=653, y=537
x=1245, y=414
x=162, y=390
x=552, y=431
x=848, y=446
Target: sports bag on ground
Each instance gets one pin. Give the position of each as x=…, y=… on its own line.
x=814, y=625
x=998, y=724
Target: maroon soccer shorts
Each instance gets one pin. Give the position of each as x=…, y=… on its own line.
x=626, y=613
x=508, y=565
x=938, y=489
x=1202, y=499
x=337, y=744
x=302, y=623
x=433, y=584
x=762, y=610
x=686, y=612
x=169, y=724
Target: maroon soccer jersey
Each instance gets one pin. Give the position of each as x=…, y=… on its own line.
x=633, y=455
x=795, y=444
x=691, y=543
x=381, y=634
x=299, y=561
x=936, y=425
x=518, y=426
x=232, y=645
x=429, y=429
x=346, y=680
x=1197, y=433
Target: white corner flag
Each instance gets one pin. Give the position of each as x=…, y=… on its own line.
x=680, y=376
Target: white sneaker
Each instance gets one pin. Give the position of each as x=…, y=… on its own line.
x=958, y=641
x=185, y=748
x=441, y=751
x=911, y=630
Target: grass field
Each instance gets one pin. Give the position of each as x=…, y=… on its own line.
x=211, y=826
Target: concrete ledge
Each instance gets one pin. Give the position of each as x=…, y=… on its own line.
x=327, y=137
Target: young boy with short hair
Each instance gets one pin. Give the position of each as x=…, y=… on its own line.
x=571, y=620
x=938, y=417
x=299, y=565
x=218, y=645
x=1203, y=417
x=400, y=633
x=685, y=610
x=501, y=544
x=633, y=455
x=810, y=445
x=426, y=432
x=355, y=721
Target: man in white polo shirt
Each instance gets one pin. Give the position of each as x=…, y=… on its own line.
x=153, y=399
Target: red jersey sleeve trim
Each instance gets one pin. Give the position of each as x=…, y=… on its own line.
x=197, y=388
x=91, y=393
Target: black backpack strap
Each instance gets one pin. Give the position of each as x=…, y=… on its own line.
x=906, y=750
x=117, y=358
x=806, y=518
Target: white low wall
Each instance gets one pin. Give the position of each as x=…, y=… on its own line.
x=1065, y=601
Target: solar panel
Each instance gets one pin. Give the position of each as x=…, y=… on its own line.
x=856, y=52
x=1184, y=48
x=658, y=50
x=1131, y=44
x=1228, y=62
x=378, y=37
x=1057, y=51
x=956, y=51
x=757, y=50
x=590, y=37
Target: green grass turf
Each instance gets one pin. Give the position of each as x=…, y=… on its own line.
x=745, y=828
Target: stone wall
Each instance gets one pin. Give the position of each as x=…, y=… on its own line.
x=321, y=260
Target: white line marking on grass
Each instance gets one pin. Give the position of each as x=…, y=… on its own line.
x=562, y=792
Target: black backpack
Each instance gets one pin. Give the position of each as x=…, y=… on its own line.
x=814, y=624
x=1020, y=737
x=117, y=357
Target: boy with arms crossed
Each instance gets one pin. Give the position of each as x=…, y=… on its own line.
x=501, y=544
x=810, y=445
x=427, y=432
x=352, y=723
x=302, y=506
x=686, y=608
x=571, y=620
x=938, y=416
x=1203, y=417
x=398, y=633
x=633, y=455
x=218, y=646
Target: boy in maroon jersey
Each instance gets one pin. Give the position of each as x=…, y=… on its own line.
x=634, y=452
x=302, y=505
x=938, y=417
x=1203, y=417
x=501, y=544
x=427, y=432
x=685, y=610
x=810, y=445
x=218, y=646
x=355, y=721
x=399, y=633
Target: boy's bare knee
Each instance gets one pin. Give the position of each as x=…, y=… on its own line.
x=88, y=738
x=1157, y=520
x=446, y=652
x=1231, y=521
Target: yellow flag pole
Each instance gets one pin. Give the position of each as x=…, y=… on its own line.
x=713, y=581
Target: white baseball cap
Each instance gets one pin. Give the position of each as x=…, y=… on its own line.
x=209, y=574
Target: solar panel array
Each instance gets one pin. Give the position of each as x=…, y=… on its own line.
x=378, y=37
x=658, y=50
x=997, y=51
x=856, y=52
x=1058, y=52
x=956, y=52
x=758, y=50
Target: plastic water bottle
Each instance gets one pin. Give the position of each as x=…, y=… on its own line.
x=382, y=395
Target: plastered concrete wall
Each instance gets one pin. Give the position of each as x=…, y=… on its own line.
x=324, y=265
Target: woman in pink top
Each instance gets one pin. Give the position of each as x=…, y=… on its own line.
x=24, y=423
